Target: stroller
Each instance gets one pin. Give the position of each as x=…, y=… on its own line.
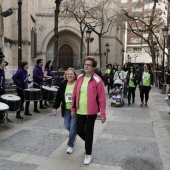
x=117, y=94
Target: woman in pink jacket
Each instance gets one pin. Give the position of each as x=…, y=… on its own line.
x=88, y=100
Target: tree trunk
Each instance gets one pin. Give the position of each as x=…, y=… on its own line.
x=100, y=51
x=81, y=51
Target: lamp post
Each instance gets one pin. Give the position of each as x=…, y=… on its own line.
x=123, y=56
x=157, y=55
x=129, y=58
x=165, y=35
x=7, y=13
x=107, y=51
x=88, y=39
x=56, y=53
x=19, y=32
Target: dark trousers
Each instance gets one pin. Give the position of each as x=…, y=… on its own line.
x=109, y=86
x=35, y=102
x=20, y=93
x=85, y=129
x=144, y=90
x=131, y=92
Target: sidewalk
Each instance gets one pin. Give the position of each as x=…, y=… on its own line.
x=133, y=138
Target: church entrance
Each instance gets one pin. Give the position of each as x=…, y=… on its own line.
x=65, y=57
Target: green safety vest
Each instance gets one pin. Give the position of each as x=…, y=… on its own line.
x=146, y=78
x=131, y=83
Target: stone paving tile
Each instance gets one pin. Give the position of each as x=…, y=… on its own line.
x=51, y=122
x=114, y=152
x=164, y=115
x=11, y=165
x=168, y=128
x=129, y=129
x=132, y=113
x=160, y=101
x=38, y=143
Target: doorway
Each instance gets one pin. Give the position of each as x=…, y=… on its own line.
x=65, y=57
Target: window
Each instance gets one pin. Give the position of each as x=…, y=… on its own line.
x=136, y=0
x=136, y=9
x=137, y=49
x=135, y=40
x=124, y=1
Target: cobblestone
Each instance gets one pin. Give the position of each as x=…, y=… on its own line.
x=133, y=138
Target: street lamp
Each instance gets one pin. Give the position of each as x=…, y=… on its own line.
x=88, y=39
x=57, y=11
x=107, y=51
x=7, y=13
x=165, y=35
x=19, y=32
x=123, y=56
x=129, y=58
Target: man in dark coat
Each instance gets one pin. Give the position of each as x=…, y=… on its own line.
x=38, y=78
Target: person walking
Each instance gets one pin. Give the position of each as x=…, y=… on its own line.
x=20, y=79
x=131, y=79
x=145, y=83
x=109, y=73
x=88, y=99
x=64, y=96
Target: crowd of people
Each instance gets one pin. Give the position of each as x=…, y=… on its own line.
x=131, y=78
x=81, y=98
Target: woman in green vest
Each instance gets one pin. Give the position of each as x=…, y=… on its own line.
x=64, y=98
x=131, y=84
x=110, y=74
x=145, y=83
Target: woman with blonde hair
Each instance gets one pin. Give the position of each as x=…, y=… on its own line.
x=64, y=96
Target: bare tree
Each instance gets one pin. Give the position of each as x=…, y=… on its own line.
x=96, y=15
x=148, y=23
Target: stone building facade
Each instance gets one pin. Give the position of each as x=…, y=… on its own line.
x=38, y=36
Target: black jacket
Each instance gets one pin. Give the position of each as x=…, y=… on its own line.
x=134, y=76
x=60, y=98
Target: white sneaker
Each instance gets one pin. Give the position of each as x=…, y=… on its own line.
x=87, y=160
x=69, y=150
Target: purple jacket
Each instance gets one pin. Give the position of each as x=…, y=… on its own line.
x=38, y=75
x=2, y=80
x=49, y=73
x=20, y=78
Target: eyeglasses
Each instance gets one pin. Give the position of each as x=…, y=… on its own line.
x=88, y=65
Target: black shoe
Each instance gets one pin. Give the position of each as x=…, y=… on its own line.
x=8, y=120
x=46, y=105
x=19, y=117
x=36, y=111
x=27, y=113
x=128, y=104
x=22, y=109
x=43, y=107
x=133, y=101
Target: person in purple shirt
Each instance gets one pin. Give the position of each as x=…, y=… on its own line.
x=2, y=76
x=2, y=84
x=48, y=75
x=38, y=78
x=20, y=79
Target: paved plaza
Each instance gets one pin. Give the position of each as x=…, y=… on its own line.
x=133, y=138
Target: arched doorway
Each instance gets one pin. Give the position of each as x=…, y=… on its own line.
x=65, y=57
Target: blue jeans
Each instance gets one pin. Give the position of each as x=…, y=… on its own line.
x=70, y=124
